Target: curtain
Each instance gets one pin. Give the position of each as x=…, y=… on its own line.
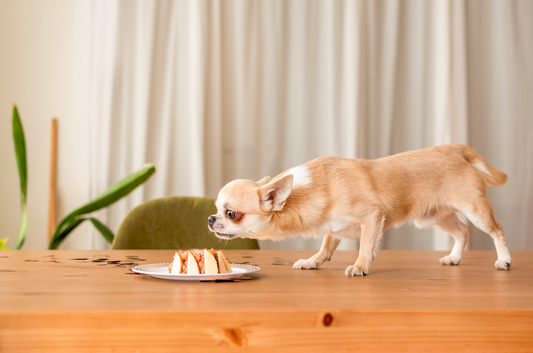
x=211, y=91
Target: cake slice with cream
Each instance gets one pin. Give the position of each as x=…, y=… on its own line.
x=177, y=265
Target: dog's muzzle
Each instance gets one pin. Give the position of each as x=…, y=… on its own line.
x=212, y=219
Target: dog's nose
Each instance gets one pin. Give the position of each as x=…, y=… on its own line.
x=212, y=219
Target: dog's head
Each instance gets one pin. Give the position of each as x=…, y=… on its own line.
x=245, y=207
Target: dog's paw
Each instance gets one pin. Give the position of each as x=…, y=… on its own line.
x=503, y=264
x=356, y=270
x=306, y=264
x=450, y=260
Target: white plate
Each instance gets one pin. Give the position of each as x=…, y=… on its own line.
x=161, y=271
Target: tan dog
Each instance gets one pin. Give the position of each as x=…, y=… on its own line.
x=358, y=199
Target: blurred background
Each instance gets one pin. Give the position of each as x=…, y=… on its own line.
x=211, y=91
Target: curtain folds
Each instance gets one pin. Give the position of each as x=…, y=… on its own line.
x=211, y=91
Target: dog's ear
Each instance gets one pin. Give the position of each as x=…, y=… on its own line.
x=263, y=181
x=273, y=195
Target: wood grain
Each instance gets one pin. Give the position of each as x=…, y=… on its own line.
x=408, y=303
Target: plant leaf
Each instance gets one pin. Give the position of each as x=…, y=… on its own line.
x=3, y=244
x=56, y=240
x=111, y=195
x=117, y=191
x=102, y=228
x=20, y=152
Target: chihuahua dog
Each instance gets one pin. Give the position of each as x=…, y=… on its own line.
x=339, y=198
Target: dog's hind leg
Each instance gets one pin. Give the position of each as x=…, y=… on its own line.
x=459, y=231
x=329, y=244
x=479, y=212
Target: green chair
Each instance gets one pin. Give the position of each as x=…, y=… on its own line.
x=177, y=222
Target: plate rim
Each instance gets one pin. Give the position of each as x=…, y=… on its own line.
x=249, y=269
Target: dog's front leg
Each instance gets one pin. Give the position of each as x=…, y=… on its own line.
x=371, y=231
x=324, y=254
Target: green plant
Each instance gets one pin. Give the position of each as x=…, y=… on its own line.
x=111, y=195
x=78, y=216
x=20, y=152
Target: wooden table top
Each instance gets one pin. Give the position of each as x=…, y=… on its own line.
x=408, y=300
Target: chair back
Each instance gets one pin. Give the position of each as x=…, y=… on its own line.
x=177, y=222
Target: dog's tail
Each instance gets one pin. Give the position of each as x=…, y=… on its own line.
x=492, y=176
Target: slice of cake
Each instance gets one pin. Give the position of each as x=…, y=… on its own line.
x=192, y=265
x=210, y=263
x=223, y=265
x=177, y=265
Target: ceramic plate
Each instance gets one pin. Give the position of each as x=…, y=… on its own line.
x=161, y=271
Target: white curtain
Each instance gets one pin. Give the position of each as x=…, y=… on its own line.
x=211, y=91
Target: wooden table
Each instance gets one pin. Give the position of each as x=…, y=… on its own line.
x=408, y=303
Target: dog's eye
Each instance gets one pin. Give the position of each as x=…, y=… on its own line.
x=230, y=214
